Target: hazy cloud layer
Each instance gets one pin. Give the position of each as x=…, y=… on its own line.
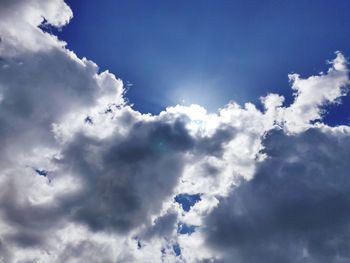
x=85, y=178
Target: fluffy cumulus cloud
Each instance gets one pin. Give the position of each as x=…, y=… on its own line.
x=295, y=209
x=86, y=178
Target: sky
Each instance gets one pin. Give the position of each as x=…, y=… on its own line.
x=174, y=51
x=163, y=131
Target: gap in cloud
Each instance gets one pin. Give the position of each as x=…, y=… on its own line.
x=41, y=172
x=187, y=200
x=177, y=249
x=184, y=229
x=338, y=114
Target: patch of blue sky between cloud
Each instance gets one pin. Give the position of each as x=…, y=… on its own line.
x=187, y=201
x=183, y=229
x=177, y=249
x=41, y=172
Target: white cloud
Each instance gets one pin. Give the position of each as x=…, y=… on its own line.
x=84, y=177
x=314, y=92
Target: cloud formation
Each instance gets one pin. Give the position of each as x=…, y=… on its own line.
x=295, y=207
x=84, y=177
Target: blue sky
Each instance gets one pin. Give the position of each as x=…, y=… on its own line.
x=208, y=52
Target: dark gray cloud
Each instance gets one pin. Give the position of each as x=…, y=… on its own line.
x=214, y=145
x=162, y=228
x=32, y=222
x=295, y=209
x=126, y=179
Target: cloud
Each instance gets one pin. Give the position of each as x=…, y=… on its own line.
x=125, y=179
x=86, y=251
x=294, y=209
x=85, y=177
x=314, y=92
